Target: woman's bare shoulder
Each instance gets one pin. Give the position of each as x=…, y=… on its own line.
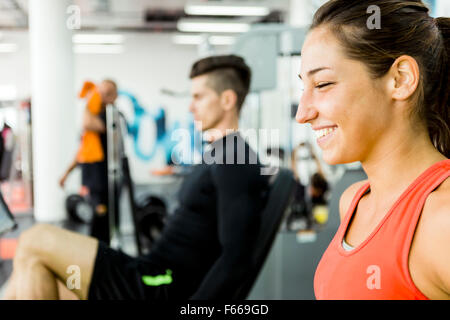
x=347, y=197
x=437, y=205
x=435, y=238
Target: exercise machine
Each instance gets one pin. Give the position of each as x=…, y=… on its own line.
x=148, y=215
x=7, y=221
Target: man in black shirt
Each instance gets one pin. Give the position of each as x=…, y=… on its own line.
x=205, y=249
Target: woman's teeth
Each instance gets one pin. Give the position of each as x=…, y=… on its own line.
x=323, y=132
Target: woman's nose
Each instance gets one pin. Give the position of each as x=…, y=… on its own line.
x=305, y=112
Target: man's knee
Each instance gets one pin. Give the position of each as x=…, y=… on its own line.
x=25, y=260
x=35, y=239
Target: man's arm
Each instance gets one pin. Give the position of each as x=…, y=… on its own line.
x=92, y=122
x=239, y=208
x=72, y=166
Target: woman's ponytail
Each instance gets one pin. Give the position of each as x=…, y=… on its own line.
x=442, y=139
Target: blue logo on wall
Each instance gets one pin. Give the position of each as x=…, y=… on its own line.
x=432, y=6
x=163, y=135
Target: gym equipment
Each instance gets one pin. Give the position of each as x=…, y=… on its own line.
x=280, y=194
x=115, y=178
x=151, y=215
x=79, y=209
x=7, y=156
x=310, y=201
x=7, y=221
x=15, y=155
x=148, y=215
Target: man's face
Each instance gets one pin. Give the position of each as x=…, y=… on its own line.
x=206, y=105
x=108, y=92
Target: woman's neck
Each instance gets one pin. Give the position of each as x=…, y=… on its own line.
x=400, y=162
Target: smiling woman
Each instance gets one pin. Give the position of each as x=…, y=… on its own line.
x=380, y=96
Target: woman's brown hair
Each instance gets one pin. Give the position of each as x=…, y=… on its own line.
x=406, y=28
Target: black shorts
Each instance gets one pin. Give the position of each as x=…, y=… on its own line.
x=95, y=176
x=118, y=276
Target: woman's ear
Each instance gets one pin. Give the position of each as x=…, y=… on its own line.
x=228, y=99
x=404, y=78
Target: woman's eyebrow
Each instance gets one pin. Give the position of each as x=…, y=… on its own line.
x=313, y=71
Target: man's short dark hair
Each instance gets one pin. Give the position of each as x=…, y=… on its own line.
x=224, y=73
x=110, y=82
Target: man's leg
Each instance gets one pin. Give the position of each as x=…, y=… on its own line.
x=10, y=289
x=65, y=293
x=100, y=222
x=46, y=254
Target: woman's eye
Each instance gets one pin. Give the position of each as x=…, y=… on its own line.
x=323, y=85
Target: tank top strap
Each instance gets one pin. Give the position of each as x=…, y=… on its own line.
x=414, y=197
x=363, y=190
x=415, y=201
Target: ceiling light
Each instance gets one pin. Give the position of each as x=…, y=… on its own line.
x=8, y=47
x=97, y=38
x=187, y=39
x=197, y=39
x=221, y=40
x=187, y=25
x=98, y=49
x=225, y=10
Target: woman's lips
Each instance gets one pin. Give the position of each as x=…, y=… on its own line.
x=324, y=134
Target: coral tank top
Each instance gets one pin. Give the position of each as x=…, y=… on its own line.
x=378, y=267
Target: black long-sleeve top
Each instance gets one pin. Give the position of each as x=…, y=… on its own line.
x=210, y=237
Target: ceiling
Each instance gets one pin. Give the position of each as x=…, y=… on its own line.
x=134, y=15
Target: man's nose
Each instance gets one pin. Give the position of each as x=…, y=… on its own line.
x=191, y=107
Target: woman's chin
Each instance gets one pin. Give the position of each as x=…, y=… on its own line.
x=332, y=163
x=333, y=158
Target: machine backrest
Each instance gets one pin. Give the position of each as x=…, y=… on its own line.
x=279, y=197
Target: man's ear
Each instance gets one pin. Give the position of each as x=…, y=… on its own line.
x=404, y=78
x=228, y=99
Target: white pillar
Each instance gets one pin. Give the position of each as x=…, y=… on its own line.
x=53, y=107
